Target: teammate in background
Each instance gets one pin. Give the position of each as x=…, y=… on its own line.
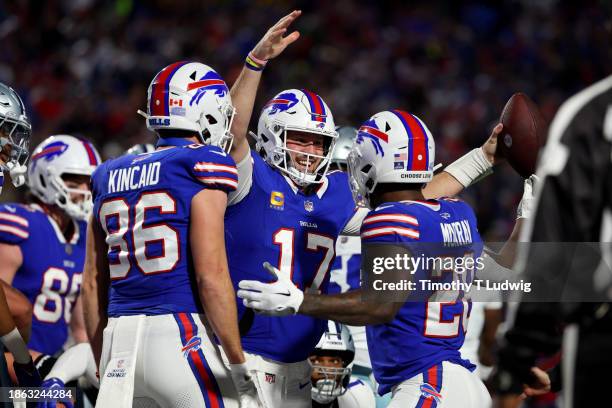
x=156, y=275
x=479, y=345
x=414, y=349
x=289, y=208
x=53, y=225
x=16, y=314
x=332, y=383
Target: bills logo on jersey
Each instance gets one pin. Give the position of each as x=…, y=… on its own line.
x=369, y=130
x=52, y=151
x=192, y=345
x=282, y=103
x=429, y=392
x=209, y=82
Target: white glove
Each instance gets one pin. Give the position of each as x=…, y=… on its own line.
x=17, y=172
x=525, y=207
x=280, y=298
x=245, y=386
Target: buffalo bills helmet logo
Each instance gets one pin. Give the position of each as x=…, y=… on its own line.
x=281, y=103
x=209, y=82
x=369, y=130
x=50, y=152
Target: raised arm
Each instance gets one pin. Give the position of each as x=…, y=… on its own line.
x=244, y=90
x=96, y=283
x=466, y=170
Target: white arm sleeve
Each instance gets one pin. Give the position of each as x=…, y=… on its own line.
x=470, y=168
x=495, y=272
x=75, y=362
x=245, y=180
x=353, y=226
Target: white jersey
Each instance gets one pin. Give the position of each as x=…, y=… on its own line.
x=469, y=350
x=345, y=274
x=358, y=395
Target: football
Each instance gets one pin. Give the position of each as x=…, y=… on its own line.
x=523, y=135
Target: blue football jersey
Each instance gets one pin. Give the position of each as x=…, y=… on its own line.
x=276, y=222
x=422, y=334
x=51, y=273
x=143, y=204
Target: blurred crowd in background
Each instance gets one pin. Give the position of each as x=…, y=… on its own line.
x=83, y=66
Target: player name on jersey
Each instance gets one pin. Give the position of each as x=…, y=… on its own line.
x=456, y=233
x=133, y=178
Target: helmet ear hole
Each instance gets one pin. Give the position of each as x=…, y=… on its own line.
x=211, y=119
x=42, y=181
x=369, y=184
x=264, y=137
x=366, y=169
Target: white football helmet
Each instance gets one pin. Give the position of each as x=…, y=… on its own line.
x=191, y=96
x=344, y=143
x=15, y=132
x=336, y=341
x=391, y=147
x=141, y=148
x=302, y=111
x=57, y=156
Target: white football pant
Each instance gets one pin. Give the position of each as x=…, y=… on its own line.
x=444, y=385
x=173, y=360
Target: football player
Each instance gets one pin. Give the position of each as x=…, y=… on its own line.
x=16, y=313
x=42, y=244
x=332, y=383
x=414, y=345
x=15, y=132
x=289, y=208
x=156, y=270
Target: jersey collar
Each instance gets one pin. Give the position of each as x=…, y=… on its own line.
x=431, y=204
x=58, y=232
x=320, y=190
x=173, y=141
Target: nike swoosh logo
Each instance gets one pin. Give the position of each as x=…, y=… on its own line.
x=284, y=294
x=11, y=209
x=219, y=153
x=303, y=385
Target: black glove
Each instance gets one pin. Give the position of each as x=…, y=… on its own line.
x=27, y=374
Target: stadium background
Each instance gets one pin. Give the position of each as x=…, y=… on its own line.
x=83, y=66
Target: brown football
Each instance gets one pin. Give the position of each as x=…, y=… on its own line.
x=523, y=135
